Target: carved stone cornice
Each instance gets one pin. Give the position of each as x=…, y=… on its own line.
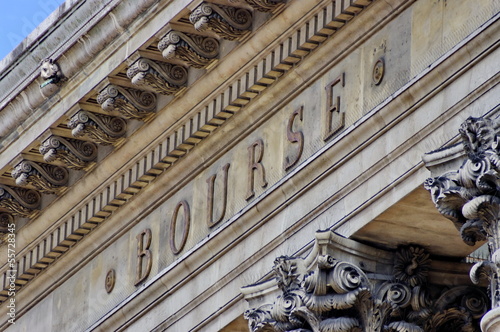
x=102, y=129
x=19, y=201
x=470, y=196
x=131, y=103
x=334, y=295
x=198, y=51
x=228, y=22
x=263, y=5
x=73, y=153
x=46, y=178
x=159, y=77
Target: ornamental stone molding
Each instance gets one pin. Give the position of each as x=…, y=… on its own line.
x=470, y=196
x=323, y=293
x=101, y=129
x=19, y=201
x=196, y=50
x=159, y=77
x=228, y=22
x=130, y=103
x=75, y=154
x=46, y=178
x=263, y=5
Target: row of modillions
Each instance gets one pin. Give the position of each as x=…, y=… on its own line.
x=88, y=128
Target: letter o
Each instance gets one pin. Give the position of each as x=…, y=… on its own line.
x=173, y=224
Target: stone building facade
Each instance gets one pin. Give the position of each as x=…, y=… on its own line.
x=250, y=165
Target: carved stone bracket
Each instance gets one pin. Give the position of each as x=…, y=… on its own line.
x=470, y=196
x=102, y=129
x=228, y=22
x=73, y=153
x=49, y=179
x=131, y=103
x=198, y=51
x=334, y=295
x=263, y=5
x=164, y=78
x=19, y=201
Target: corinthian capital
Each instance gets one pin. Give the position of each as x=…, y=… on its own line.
x=73, y=153
x=46, y=178
x=159, y=77
x=470, y=196
x=198, y=51
x=335, y=295
x=102, y=129
x=228, y=22
x=131, y=103
x=19, y=201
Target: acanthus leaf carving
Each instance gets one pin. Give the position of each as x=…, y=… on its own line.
x=196, y=50
x=228, y=22
x=333, y=295
x=263, y=5
x=73, y=153
x=19, y=201
x=470, y=196
x=46, y=178
x=130, y=103
x=102, y=129
x=159, y=77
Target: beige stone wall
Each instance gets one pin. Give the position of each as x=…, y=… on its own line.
x=346, y=180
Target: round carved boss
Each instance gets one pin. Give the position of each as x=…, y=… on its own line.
x=109, y=282
x=378, y=71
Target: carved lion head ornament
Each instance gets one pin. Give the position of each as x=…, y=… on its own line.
x=50, y=72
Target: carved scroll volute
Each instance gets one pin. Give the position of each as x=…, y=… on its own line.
x=307, y=300
x=49, y=179
x=159, y=77
x=470, y=196
x=228, y=22
x=19, y=201
x=263, y=5
x=196, y=50
x=130, y=103
x=336, y=295
x=73, y=153
x=102, y=129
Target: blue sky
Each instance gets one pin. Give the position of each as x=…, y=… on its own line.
x=19, y=17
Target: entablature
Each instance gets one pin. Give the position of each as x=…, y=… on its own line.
x=180, y=121
x=80, y=136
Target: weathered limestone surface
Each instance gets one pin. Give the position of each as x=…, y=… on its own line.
x=289, y=129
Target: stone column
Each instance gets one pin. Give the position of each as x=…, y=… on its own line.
x=470, y=197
